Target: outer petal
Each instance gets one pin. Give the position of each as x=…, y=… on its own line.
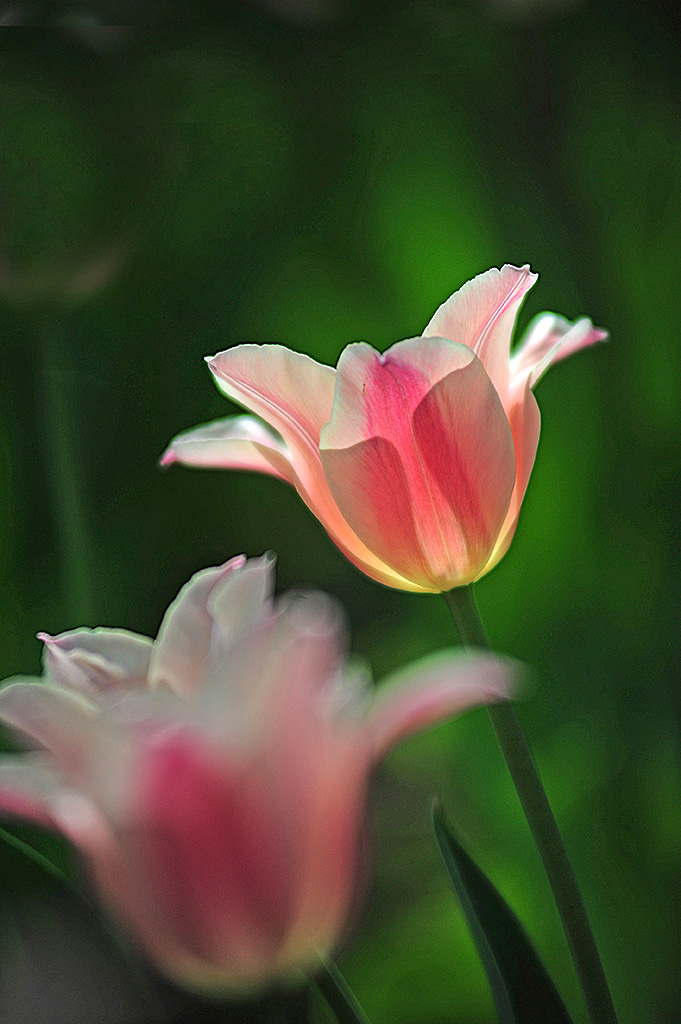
x=95, y=661
x=525, y=421
x=290, y=391
x=57, y=719
x=550, y=338
x=427, y=482
x=30, y=789
x=294, y=394
x=482, y=315
x=232, y=597
x=27, y=788
x=236, y=442
x=213, y=856
x=435, y=688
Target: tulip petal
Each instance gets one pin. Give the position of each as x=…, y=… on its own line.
x=57, y=719
x=94, y=661
x=290, y=391
x=427, y=483
x=433, y=689
x=371, y=488
x=481, y=315
x=27, y=788
x=181, y=655
x=548, y=339
x=525, y=422
x=236, y=442
x=376, y=394
x=217, y=860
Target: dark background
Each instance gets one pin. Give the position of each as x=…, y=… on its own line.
x=313, y=173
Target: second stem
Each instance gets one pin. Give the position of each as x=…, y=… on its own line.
x=542, y=824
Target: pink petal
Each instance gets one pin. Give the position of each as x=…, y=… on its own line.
x=95, y=661
x=290, y=391
x=464, y=438
x=433, y=689
x=525, y=422
x=273, y=669
x=27, y=789
x=237, y=442
x=481, y=315
x=213, y=854
x=371, y=488
x=427, y=482
x=228, y=598
x=56, y=719
x=550, y=338
x=377, y=393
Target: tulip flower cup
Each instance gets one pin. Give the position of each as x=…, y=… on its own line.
x=416, y=460
x=215, y=778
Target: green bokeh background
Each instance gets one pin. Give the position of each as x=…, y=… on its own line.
x=310, y=175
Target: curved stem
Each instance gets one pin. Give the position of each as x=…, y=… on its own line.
x=542, y=824
x=64, y=476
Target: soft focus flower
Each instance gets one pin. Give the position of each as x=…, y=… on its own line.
x=415, y=460
x=215, y=778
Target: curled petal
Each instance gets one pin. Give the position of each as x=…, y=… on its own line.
x=481, y=315
x=550, y=338
x=94, y=661
x=290, y=391
x=236, y=442
x=433, y=689
x=232, y=595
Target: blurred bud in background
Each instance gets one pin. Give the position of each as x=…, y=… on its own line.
x=216, y=778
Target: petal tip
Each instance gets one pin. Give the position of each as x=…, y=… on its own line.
x=168, y=458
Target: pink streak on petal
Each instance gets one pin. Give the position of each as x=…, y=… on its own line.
x=213, y=854
x=237, y=442
x=376, y=394
x=432, y=690
x=481, y=315
x=318, y=771
x=464, y=439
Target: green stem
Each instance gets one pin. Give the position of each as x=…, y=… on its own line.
x=66, y=491
x=542, y=824
x=338, y=994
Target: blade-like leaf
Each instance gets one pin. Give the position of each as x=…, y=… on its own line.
x=522, y=989
x=338, y=995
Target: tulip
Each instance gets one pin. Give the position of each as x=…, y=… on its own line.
x=416, y=461
x=215, y=778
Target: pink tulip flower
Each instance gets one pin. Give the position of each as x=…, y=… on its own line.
x=416, y=461
x=215, y=778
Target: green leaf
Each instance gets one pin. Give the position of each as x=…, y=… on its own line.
x=523, y=991
x=338, y=994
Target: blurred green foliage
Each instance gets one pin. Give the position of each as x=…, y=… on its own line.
x=312, y=174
